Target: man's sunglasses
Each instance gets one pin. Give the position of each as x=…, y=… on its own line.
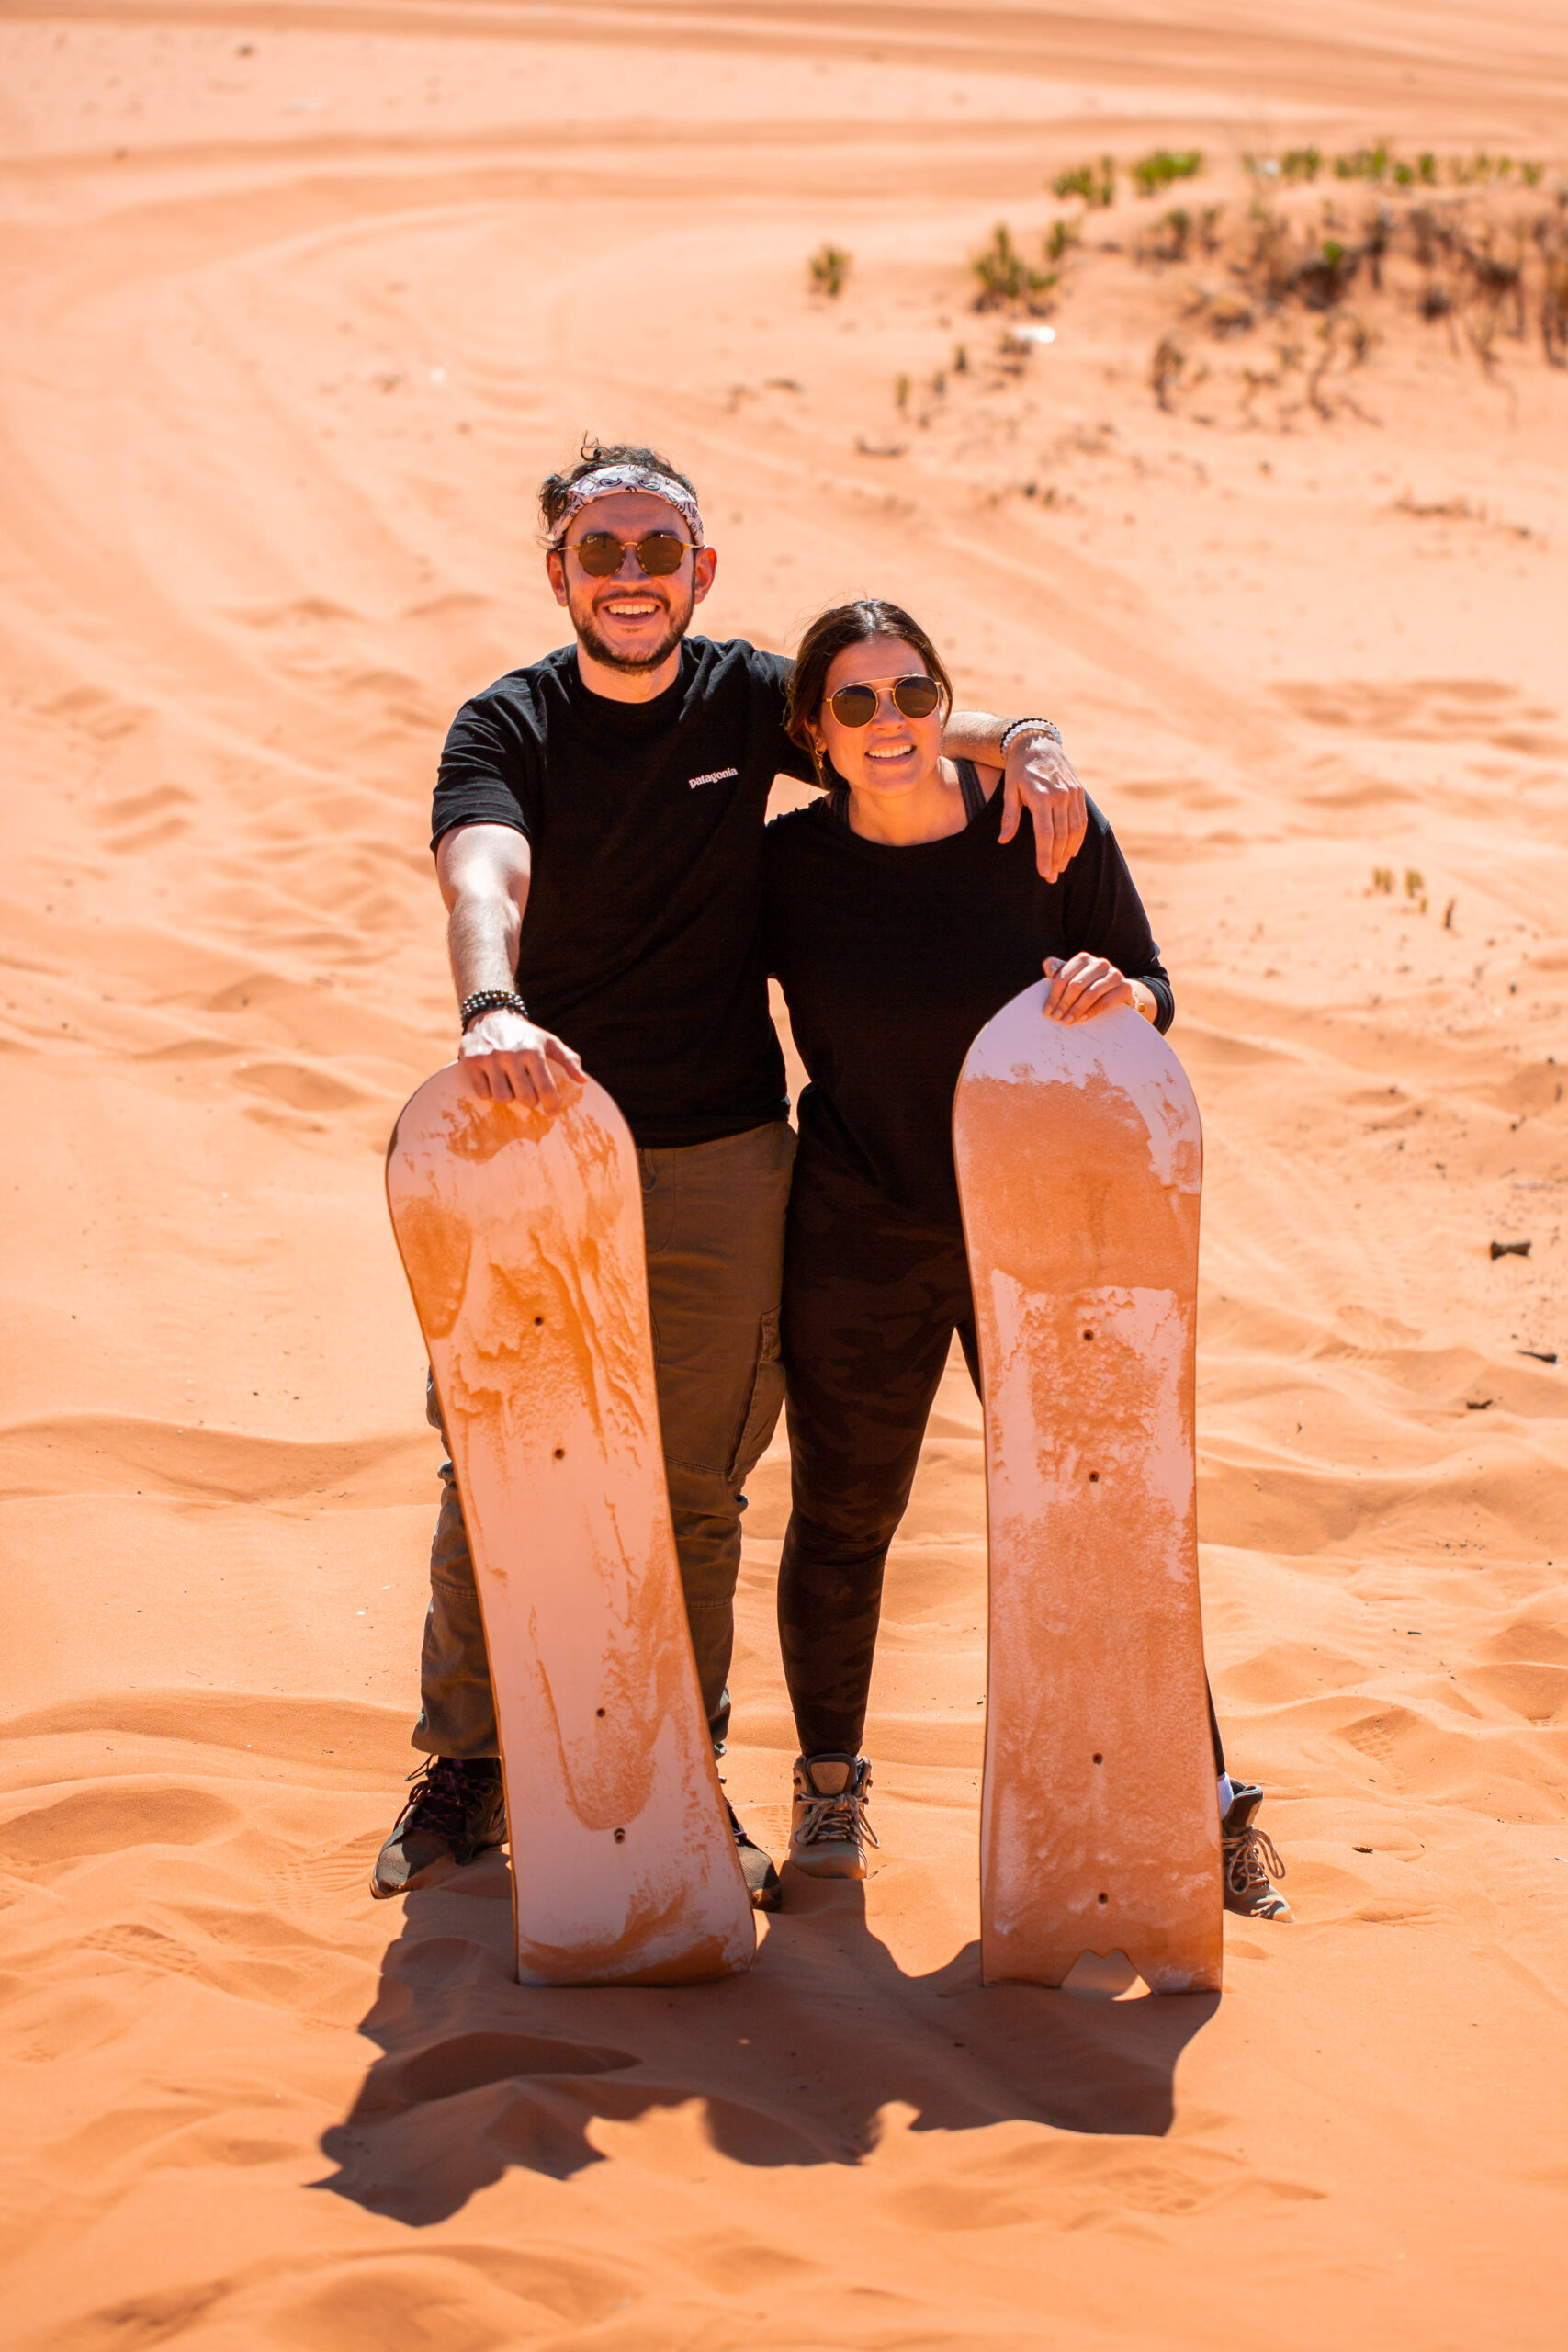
x=601, y=554
x=858, y=706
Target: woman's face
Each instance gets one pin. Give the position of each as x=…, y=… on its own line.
x=893, y=754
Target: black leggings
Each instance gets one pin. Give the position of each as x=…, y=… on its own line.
x=872, y=1297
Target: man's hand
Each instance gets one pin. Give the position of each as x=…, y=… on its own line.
x=1038, y=776
x=1084, y=985
x=506, y=1057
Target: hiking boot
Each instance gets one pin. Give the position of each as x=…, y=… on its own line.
x=457, y=1808
x=829, y=1832
x=756, y=1867
x=1251, y=1858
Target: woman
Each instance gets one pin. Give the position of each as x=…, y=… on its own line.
x=898, y=925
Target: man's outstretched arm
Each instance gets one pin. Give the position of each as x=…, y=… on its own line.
x=1036, y=775
x=484, y=873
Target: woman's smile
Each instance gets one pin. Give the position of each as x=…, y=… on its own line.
x=887, y=759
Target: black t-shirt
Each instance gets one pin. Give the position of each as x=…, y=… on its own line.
x=892, y=960
x=640, y=945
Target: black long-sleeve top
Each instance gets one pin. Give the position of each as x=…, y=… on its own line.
x=892, y=960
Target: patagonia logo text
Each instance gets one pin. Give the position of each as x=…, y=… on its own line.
x=714, y=775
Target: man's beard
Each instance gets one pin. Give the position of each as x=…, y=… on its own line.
x=631, y=664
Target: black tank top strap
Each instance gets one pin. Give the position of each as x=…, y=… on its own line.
x=970, y=785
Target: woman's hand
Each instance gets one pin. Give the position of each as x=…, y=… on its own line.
x=510, y=1059
x=1084, y=984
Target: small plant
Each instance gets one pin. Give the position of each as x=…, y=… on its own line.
x=828, y=268
x=1382, y=879
x=1176, y=228
x=1003, y=274
x=1082, y=182
x=960, y=360
x=1151, y=172
x=1364, y=164
x=1554, y=303
x=1166, y=368
x=1324, y=277
x=1363, y=341
x=1063, y=235
x=1430, y=234
x=1268, y=270
x=901, y=391
x=1415, y=884
x=1222, y=314
x=1300, y=163
x=1480, y=333
x=1376, y=230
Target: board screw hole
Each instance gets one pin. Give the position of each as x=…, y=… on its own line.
x=1103, y=1900
x=539, y=1318
x=1099, y=1760
x=1089, y=1335
x=599, y=1711
x=621, y=1839
x=560, y=1454
x=1094, y=1477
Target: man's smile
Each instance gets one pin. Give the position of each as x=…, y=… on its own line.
x=632, y=608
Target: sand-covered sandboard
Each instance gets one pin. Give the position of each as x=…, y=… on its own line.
x=522, y=1240
x=1079, y=1161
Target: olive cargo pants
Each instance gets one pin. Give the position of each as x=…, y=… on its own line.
x=713, y=1223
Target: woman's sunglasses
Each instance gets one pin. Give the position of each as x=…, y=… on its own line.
x=857, y=706
x=601, y=554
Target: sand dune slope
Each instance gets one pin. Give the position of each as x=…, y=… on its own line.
x=302, y=300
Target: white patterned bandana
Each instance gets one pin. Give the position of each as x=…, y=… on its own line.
x=609, y=479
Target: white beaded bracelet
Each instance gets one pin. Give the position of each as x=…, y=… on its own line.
x=1040, y=726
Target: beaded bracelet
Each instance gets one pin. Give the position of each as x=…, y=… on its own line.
x=489, y=1001
x=1043, y=726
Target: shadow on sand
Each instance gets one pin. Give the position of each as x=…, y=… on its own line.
x=794, y=2060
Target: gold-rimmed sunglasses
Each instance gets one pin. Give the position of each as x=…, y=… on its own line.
x=914, y=698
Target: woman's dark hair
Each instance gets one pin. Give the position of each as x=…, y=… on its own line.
x=839, y=626
x=555, y=489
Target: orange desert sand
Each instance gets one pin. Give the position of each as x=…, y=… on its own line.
x=302, y=301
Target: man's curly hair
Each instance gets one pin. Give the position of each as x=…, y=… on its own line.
x=555, y=489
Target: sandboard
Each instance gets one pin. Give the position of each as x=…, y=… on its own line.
x=522, y=1238
x=1079, y=1161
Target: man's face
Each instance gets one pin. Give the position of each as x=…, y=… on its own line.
x=630, y=622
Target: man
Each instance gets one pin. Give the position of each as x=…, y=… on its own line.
x=614, y=795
